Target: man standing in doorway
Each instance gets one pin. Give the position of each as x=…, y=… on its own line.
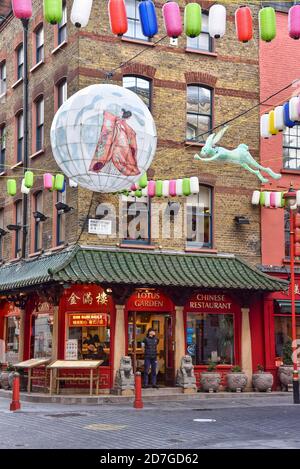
x=150, y=357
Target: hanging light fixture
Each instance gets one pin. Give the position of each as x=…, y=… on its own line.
x=279, y=118
x=53, y=11
x=267, y=24
x=11, y=187
x=244, y=24
x=22, y=9
x=217, y=21
x=117, y=17
x=294, y=22
x=148, y=18
x=286, y=115
x=80, y=15
x=294, y=108
x=272, y=129
x=264, y=126
x=192, y=19
x=172, y=19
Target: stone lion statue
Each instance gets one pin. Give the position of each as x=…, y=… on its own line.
x=185, y=375
x=125, y=376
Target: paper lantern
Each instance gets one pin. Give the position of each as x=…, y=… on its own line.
x=278, y=199
x=11, y=187
x=104, y=138
x=217, y=21
x=172, y=187
x=262, y=198
x=72, y=183
x=297, y=235
x=117, y=17
x=22, y=9
x=273, y=199
x=151, y=188
x=59, y=182
x=272, y=129
x=267, y=199
x=264, y=126
x=80, y=14
x=48, y=182
x=179, y=188
x=158, y=188
x=143, y=181
x=294, y=22
x=192, y=19
x=279, y=118
x=145, y=192
x=267, y=24
x=255, y=197
x=28, y=179
x=298, y=198
x=138, y=193
x=172, y=19
x=294, y=108
x=186, y=187
x=148, y=18
x=286, y=116
x=53, y=11
x=165, y=189
x=194, y=183
x=244, y=24
x=24, y=189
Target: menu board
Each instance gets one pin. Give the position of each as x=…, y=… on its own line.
x=71, y=349
x=87, y=319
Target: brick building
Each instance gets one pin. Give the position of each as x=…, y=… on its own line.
x=179, y=285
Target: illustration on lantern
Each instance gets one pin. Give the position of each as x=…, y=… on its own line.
x=240, y=156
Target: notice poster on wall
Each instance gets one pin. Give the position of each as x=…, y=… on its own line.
x=71, y=349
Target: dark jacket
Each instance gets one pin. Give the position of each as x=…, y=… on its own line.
x=150, y=347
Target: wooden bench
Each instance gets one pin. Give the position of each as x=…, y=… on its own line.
x=90, y=365
x=30, y=365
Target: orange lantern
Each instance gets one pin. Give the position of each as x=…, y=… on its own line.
x=117, y=17
x=243, y=24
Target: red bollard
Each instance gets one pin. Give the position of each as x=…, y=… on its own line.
x=138, y=403
x=15, y=403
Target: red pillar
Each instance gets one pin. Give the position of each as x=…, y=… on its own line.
x=15, y=403
x=138, y=403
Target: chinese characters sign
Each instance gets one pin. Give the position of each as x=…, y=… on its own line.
x=93, y=319
x=87, y=298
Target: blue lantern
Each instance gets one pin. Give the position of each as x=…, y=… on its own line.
x=148, y=18
x=286, y=116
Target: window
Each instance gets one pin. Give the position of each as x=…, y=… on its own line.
x=136, y=220
x=291, y=147
x=18, y=218
x=282, y=6
x=134, y=24
x=38, y=207
x=199, y=112
x=203, y=42
x=2, y=228
x=39, y=44
x=210, y=338
x=286, y=233
x=39, y=120
x=12, y=339
x=140, y=86
x=199, y=218
x=2, y=148
x=42, y=335
x=62, y=92
x=62, y=27
x=20, y=61
x=20, y=137
x=92, y=342
x=2, y=78
x=60, y=220
x=283, y=327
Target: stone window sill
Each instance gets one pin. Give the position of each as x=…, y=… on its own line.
x=290, y=171
x=190, y=143
x=37, y=153
x=60, y=46
x=36, y=66
x=2, y=95
x=201, y=52
x=20, y=163
x=138, y=41
x=17, y=83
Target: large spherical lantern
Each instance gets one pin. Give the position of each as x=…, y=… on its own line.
x=117, y=17
x=172, y=19
x=80, y=14
x=267, y=24
x=104, y=138
x=294, y=22
x=244, y=24
x=192, y=19
x=53, y=11
x=22, y=9
x=148, y=18
x=217, y=21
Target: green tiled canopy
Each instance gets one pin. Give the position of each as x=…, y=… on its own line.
x=140, y=268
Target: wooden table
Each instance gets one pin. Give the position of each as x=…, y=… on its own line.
x=75, y=365
x=30, y=365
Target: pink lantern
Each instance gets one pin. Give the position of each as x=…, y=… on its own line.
x=273, y=199
x=172, y=187
x=294, y=22
x=172, y=19
x=151, y=188
x=22, y=8
x=48, y=181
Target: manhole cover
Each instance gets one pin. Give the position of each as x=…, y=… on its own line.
x=70, y=414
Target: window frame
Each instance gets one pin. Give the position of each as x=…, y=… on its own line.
x=135, y=21
x=2, y=147
x=210, y=40
x=142, y=241
x=39, y=49
x=210, y=216
x=19, y=137
x=211, y=115
x=39, y=123
x=3, y=78
x=145, y=79
x=63, y=82
x=18, y=207
x=286, y=160
x=38, y=225
x=19, y=64
x=62, y=27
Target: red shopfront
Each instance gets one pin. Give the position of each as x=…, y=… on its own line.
x=213, y=331
x=10, y=327
x=145, y=309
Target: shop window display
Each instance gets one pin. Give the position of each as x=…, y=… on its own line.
x=42, y=334
x=12, y=339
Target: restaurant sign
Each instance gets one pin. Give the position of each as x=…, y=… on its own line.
x=206, y=302
x=93, y=319
x=149, y=300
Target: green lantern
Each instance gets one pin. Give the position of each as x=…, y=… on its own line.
x=138, y=193
x=192, y=19
x=11, y=187
x=28, y=179
x=262, y=198
x=143, y=181
x=282, y=200
x=53, y=11
x=186, y=187
x=158, y=188
x=59, y=182
x=267, y=24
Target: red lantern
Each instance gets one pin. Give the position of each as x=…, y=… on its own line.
x=22, y=8
x=297, y=220
x=297, y=249
x=243, y=24
x=117, y=17
x=297, y=235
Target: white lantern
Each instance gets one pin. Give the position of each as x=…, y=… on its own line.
x=294, y=108
x=267, y=199
x=104, y=138
x=24, y=189
x=145, y=192
x=81, y=12
x=217, y=21
x=194, y=184
x=165, y=189
x=179, y=190
x=279, y=118
x=278, y=199
x=72, y=183
x=264, y=126
x=298, y=198
x=255, y=198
